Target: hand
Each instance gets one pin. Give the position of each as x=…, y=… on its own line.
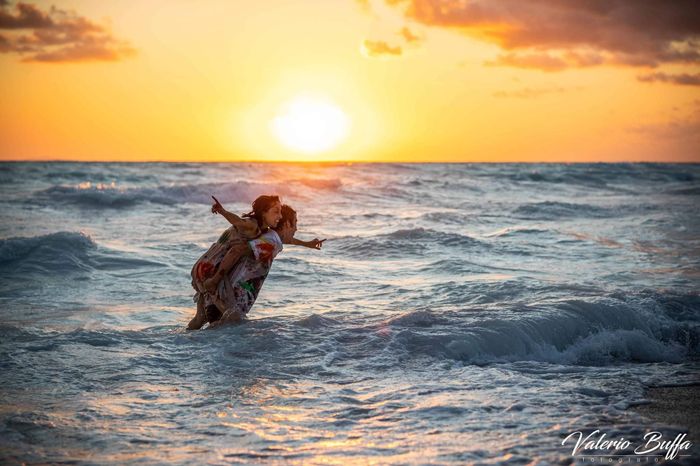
x=316, y=243
x=217, y=208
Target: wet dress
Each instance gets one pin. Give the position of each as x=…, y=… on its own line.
x=238, y=290
x=208, y=264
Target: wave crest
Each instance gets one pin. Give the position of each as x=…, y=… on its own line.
x=59, y=253
x=63, y=243
x=111, y=195
x=571, y=333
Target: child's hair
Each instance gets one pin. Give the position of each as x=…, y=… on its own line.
x=289, y=215
x=261, y=205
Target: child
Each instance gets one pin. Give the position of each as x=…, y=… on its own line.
x=265, y=214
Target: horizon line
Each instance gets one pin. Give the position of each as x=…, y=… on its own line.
x=334, y=162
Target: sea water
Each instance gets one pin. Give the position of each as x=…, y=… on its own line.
x=457, y=313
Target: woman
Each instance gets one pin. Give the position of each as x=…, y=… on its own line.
x=237, y=292
x=266, y=214
x=234, y=295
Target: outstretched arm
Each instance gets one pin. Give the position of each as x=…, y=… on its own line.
x=313, y=244
x=232, y=218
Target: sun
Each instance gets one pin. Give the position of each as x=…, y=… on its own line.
x=310, y=124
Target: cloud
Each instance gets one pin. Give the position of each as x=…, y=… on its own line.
x=540, y=61
x=408, y=35
x=389, y=35
x=380, y=48
x=560, y=34
x=56, y=36
x=28, y=16
x=682, y=79
x=545, y=61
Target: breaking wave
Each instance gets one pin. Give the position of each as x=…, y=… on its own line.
x=573, y=332
x=111, y=195
x=60, y=253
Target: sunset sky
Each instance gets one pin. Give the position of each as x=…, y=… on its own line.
x=406, y=80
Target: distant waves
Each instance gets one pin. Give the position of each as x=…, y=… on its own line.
x=101, y=195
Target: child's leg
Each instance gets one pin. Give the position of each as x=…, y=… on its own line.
x=226, y=264
x=200, y=317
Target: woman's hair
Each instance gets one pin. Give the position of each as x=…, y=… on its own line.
x=261, y=205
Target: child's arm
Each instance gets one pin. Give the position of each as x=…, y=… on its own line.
x=246, y=227
x=313, y=244
x=232, y=218
x=226, y=264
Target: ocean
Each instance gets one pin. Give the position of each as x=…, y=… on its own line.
x=457, y=313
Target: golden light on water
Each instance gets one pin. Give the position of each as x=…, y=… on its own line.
x=310, y=124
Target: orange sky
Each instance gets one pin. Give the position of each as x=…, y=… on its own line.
x=419, y=80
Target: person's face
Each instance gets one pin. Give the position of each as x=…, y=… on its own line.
x=272, y=216
x=288, y=231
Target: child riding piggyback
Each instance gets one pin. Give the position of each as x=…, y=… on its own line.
x=237, y=242
x=207, y=271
